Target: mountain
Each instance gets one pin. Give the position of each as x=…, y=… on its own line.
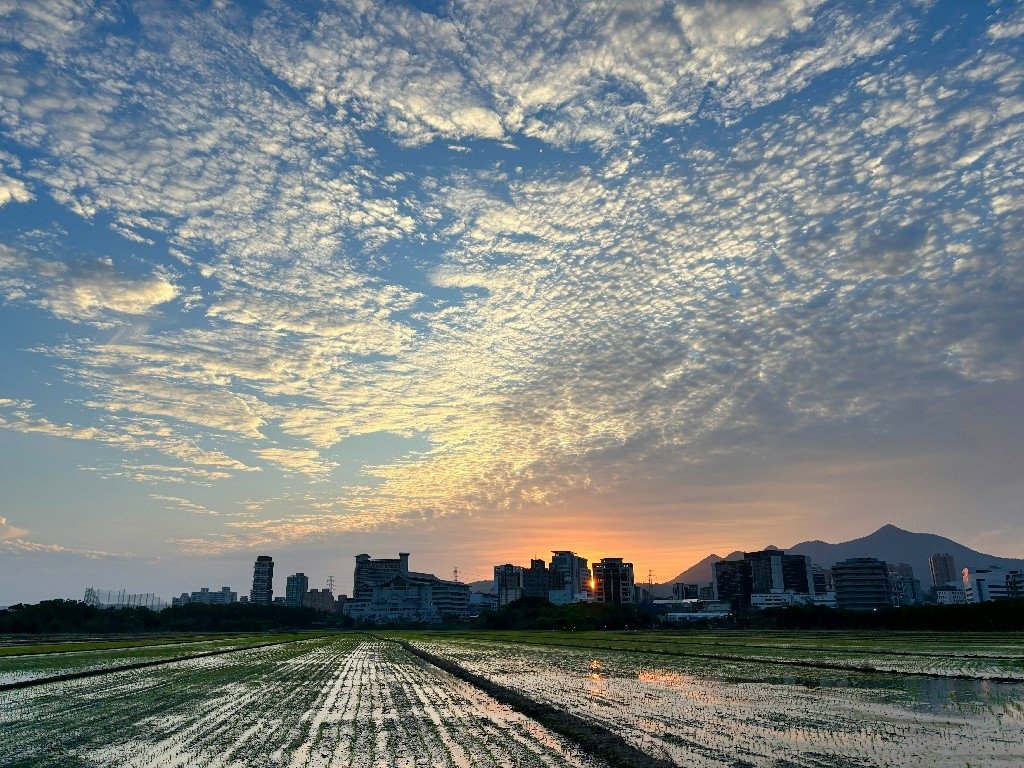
x=485, y=585
x=889, y=543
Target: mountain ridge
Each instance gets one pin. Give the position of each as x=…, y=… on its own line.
x=889, y=542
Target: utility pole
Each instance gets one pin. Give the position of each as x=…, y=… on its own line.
x=455, y=573
x=330, y=584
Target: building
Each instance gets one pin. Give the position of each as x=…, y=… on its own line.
x=387, y=591
x=572, y=572
x=480, y=602
x=732, y=583
x=822, y=578
x=613, y=581
x=572, y=577
x=223, y=596
x=779, y=599
x=642, y=594
x=983, y=585
x=904, y=589
x=262, y=581
x=942, y=569
x=950, y=594
x=768, y=572
x=508, y=583
x=296, y=587
x=320, y=599
x=862, y=584
x=537, y=580
x=1015, y=584
x=370, y=572
x=681, y=591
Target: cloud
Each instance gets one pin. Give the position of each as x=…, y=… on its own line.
x=13, y=190
x=717, y=249
x=81, y=293
x=9, y=531
x=305, y=461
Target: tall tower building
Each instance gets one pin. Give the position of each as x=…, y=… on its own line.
x=613, y=581
x=572, y=571
x=942, y=569
x=296, y=587
x=262, y=581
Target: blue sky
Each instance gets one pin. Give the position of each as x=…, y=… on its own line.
x=483, y=279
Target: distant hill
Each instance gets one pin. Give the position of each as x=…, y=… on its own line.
x=486, y=585
x=888, y=543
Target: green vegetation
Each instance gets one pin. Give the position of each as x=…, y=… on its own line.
x=70, y=617
x=535, y=613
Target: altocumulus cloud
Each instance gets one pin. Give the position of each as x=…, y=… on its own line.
x=670, y=234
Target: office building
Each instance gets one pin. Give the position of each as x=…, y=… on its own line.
x=387, y=591
x=681, y=591
x=732, y=583
x=613, y=581
x=537, y=580
x=1015, y=584
x=572, y=573
x=904, y=589
x=950, y=594
x=262, y=581
x=983, y=585
x=942, y=569
x=862, y=584
x=296, y=587
x=768, y=572
x=508, y=583
x=320, y=599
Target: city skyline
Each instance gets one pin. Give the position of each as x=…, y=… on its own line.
x=650, y=280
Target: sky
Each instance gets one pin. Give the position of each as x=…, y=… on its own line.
x=481, y=279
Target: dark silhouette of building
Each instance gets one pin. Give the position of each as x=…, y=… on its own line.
x=683, y=591
x=769, y=571
x=943, y=569
x=613, y=581
x=573, y=573
x=296, y=587
x=262, y=581
x=862, y=584
x=537, y=580
x=733, y=583
x=321, y=599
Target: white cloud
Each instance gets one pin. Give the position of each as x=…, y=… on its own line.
x=9, y=531
x=13, y=190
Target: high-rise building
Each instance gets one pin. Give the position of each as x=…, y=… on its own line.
x=537, y=581
x=732, y=583
x=904, y=589
x=768, y=572
x=572, y=571
x=862, y=584
x=613, y=581
x=296, y=587
x=942, y=569
x=262, y=581
x=508, y=583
